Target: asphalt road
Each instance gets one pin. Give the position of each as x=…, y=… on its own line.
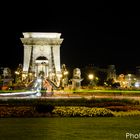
x=73, y=97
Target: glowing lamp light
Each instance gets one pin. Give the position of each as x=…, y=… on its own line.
x=90, y=76
x=53, y=74
x=16, y=72
x=66, y=73
x=59, y=75
x=23, y=75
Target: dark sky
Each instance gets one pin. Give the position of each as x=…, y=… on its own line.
x=99, y=34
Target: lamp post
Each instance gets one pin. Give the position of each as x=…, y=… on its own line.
x=129, y=80
x=17, y=79
x=91, y=77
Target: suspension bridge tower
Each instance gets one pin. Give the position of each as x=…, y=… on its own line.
x=42, y=54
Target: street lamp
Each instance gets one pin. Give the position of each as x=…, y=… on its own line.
x=91, y=77
x=129, y=76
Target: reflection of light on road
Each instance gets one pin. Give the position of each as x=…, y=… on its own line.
x=137, y=84
x=37, y=86
x=74, y=97
x=39, y=80
x=33, y=91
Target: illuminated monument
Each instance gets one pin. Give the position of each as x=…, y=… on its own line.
x=42, y=54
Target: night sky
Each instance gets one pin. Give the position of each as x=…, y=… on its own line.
x=101, y=34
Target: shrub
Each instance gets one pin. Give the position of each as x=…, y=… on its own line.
x=128, y=113
x=14, y=111
x=70, y=102
x=42, y=108
x=73, y=111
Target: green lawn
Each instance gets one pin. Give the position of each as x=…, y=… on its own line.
x=103, y=92
x=96, y=128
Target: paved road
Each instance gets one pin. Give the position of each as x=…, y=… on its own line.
x=74, y=97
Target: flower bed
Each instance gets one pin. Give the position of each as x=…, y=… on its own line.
x=73, y=111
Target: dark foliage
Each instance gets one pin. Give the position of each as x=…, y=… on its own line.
x=42, y=108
